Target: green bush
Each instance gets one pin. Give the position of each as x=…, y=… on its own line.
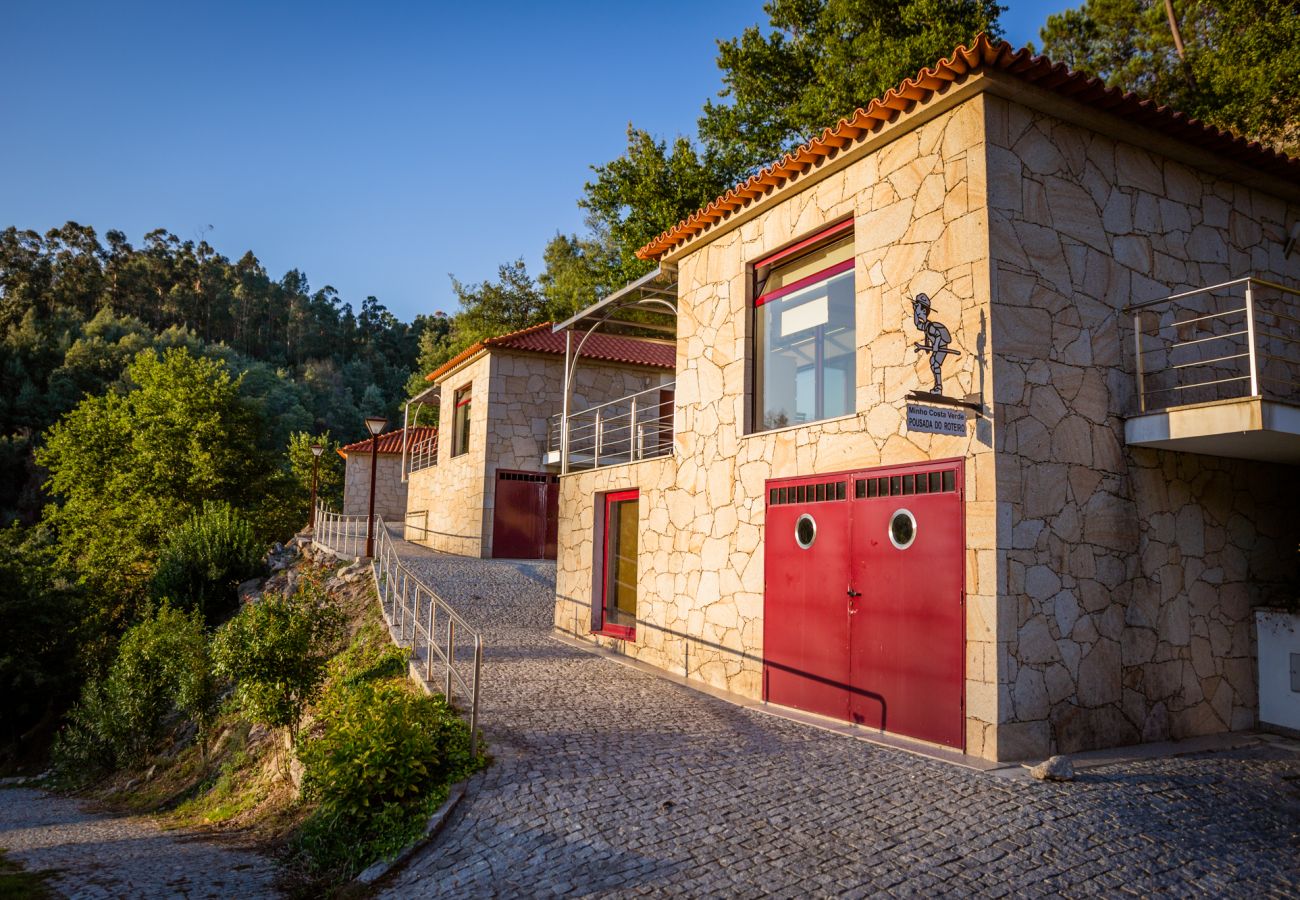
x=206, y=558
x=162, y=664
x=276, y=651
x=378, y=769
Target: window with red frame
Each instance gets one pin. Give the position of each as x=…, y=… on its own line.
x=460, y=420
x=805, y=336
x=619, y=572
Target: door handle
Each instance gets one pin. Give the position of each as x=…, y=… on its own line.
x=853, y=593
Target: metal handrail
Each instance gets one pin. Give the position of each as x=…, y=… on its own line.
x=626, y=429
x=404, y=599
x=342, y=535
x=424, y=453
x=1177, y=355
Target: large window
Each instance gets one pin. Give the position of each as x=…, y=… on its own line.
x=805, y=350
x=619, y=581
x=460, y=421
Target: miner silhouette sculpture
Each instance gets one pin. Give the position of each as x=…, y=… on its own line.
x=937, y=339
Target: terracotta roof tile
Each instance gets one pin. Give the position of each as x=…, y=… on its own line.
x=541, y=339
x=983, y=53
x=390, y=441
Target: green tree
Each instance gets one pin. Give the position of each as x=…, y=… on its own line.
x=205, y=559
x=277, y=651
x=642, y=193
x=1239, y=68
x=125, y=469
x=39, y=627
x=329, y=472
x=511, y=302
x=819, y=60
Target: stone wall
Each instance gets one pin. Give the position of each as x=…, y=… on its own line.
x=1130, y=572
x=920, y=226
x=449, y=499
x=515, y=394
x=390, y=493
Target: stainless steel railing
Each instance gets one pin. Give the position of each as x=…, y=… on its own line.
x=424, y=453
x=436, y=631
x=1222, y=342
x=344, y=535
x=638, y=426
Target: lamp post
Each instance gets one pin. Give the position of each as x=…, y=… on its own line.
x=316, y=450
x=374, y=424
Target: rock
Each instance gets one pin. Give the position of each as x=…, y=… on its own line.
x=1057, y=768
x=250, y=590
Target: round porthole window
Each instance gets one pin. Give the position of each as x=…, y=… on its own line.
x=902, y=529
x=805, y=531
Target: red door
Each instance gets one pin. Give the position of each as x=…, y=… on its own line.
x=865, y=621
x=525, y=515
x=907, y=627
x=805, y=631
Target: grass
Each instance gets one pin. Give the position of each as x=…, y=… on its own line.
x=16, y=883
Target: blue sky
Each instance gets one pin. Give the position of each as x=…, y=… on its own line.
x=378, y=147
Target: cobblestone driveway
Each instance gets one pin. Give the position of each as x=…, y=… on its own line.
x=610, y=780
x=110, y=857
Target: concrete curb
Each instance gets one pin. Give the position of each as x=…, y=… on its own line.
x=431, y=829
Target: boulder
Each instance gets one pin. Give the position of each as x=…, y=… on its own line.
x=1056, y=768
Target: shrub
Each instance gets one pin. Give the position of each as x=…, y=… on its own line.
x=161, y=663
x=379, y=767
x=206, y=558
x=276, y=651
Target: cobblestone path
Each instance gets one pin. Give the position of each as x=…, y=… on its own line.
x=608, y=780
x=105, y=856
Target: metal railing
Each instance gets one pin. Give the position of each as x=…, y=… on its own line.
x=638, y=426
x=424, y=453
x=412, y=608
x=1224, y=342
x=344, y=535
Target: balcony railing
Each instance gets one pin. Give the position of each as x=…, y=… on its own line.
x=629, y=429
x=1225, y=342
x=424, y=453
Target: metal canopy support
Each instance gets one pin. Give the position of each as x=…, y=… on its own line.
x=655, y=292
x=427, y=396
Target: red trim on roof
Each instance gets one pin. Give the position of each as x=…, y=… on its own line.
x=983, y=53
x=390, y=441
x=603, y=347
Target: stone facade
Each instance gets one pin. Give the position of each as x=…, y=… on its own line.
x=1131, y=572
x=515, y=395
x=390, y=492
x=1107, y=588
x=920, y=226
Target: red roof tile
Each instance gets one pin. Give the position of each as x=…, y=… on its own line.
x=985, y=54
x=390, y=441
x=541, y=339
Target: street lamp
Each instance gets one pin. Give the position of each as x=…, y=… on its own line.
x=374, y=424
x=316, y=450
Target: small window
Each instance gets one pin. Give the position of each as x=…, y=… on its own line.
x=805, y=350
x=460, y=421
x=805, y=531
x=619, y=587
x=902, y=529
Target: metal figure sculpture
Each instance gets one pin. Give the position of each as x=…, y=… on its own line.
x=937, y=339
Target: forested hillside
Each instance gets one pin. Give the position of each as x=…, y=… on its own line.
x=75, y=309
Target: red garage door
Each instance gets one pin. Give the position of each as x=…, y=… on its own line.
x=864, y=599
x=525, y=515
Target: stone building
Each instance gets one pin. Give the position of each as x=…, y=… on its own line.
x=1048, y=541
x=390, y=488
x=486, y=484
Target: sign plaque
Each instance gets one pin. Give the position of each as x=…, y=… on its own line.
x=936, y=420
